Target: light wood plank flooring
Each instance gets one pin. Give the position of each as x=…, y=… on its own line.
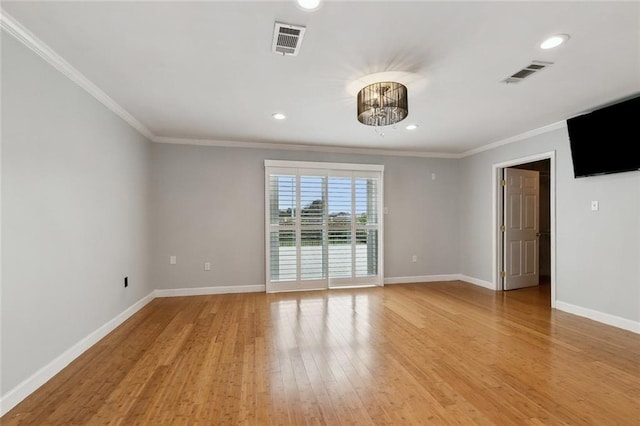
x=435, y=353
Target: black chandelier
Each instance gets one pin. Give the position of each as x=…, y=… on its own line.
x=382, y=104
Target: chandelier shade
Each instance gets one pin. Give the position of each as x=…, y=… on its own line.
x=382, y=104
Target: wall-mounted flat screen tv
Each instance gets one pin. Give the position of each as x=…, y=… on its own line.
x=606, y=140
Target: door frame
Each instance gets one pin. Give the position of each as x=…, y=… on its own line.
x=498, y=208
x=286, y=166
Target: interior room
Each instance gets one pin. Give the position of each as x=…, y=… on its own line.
x=315, y=211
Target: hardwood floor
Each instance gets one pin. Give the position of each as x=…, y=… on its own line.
x=404, y=354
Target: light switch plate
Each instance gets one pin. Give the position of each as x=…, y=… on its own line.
x=595, y=206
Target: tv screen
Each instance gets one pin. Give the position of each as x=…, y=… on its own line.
x=606, y=140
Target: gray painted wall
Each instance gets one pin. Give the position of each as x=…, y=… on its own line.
x=75, y=188
x=598, y=253
x=208, y=206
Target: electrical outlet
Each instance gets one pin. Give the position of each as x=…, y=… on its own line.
x=172, y=260
x=414, y=258
x=126, y=282
x=207, y=266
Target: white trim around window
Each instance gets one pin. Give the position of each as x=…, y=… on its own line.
x=325, y=166
x=323, y=225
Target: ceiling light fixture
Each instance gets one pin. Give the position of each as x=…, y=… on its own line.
x=278, y=116
x=309, y=4
x=554, y=41
x=412, y=127
x=382, y=104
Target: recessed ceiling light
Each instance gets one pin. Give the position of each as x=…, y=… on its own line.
x=278, y=116
x=554, y=41
x=309, y=4
x=412, y=127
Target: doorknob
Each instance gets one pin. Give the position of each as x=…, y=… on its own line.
x=538, y=234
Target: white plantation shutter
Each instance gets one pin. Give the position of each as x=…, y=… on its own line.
x=323, y=225
x=366, y=204
x=340, y=221
x=312, y=227
x=282, y=232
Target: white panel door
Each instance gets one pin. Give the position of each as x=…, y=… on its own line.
x=521, y=228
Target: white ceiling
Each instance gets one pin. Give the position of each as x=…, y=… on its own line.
x=205, y=70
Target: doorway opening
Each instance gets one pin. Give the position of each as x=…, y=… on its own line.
x=541, y=244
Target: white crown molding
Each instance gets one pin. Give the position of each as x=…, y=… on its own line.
x=516, y=138
x=300, y=147
x=26, y=37
x=363, y=151
x=22, y=34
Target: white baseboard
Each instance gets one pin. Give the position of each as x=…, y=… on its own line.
x=201, y=291
x=602, y=317
x=40, y=377
x=421, y=279
x=434, y=278
x=476, y=281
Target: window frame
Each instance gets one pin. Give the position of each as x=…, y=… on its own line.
x=301, y=168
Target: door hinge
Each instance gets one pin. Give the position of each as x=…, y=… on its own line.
x=503, y=182
x=502, y=274
x=502, y=228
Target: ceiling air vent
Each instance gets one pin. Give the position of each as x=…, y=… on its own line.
x=527, y=71
x=287, y=39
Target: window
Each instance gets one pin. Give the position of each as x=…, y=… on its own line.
x=323, y=227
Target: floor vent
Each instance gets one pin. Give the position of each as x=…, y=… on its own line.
x=527, y=71
x=287, y=39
